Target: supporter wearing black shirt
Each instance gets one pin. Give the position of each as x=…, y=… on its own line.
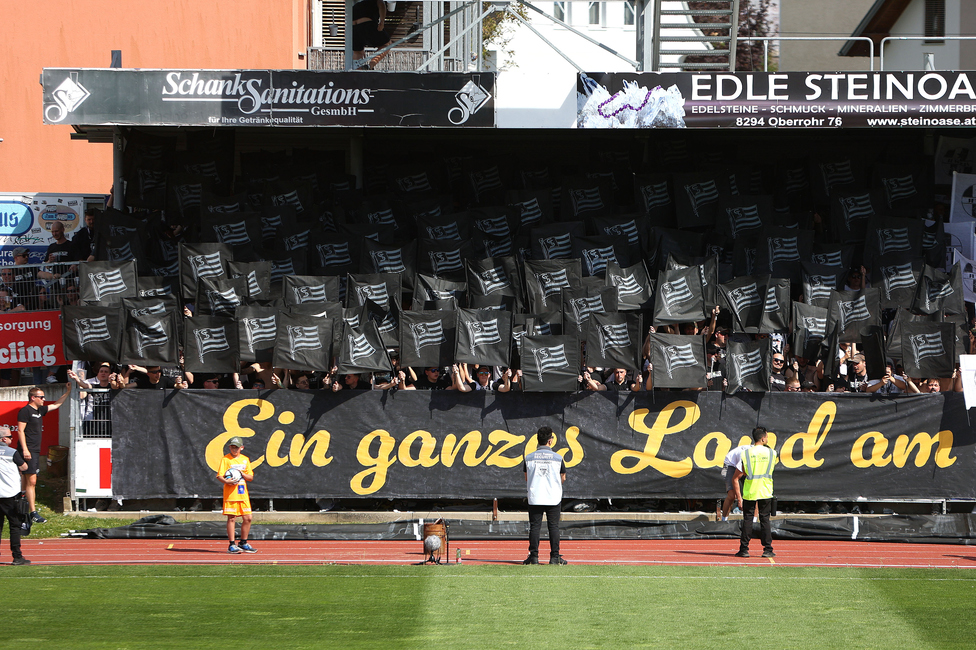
x=24, y=280
x=777, y=380
x=84, y=239
x=29, y=430
x=154, y=379
x=433, y=379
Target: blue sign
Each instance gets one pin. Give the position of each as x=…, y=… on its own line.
x=15, y=218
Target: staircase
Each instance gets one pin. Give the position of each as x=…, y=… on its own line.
x=719, y=18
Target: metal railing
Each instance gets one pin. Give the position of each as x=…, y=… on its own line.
x=767, y=39
x=916, y=38
x=38, y=287
x=398, y=60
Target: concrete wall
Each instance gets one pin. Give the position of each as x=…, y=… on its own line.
x=823, y=18
x=908, y=55
x=82, y=33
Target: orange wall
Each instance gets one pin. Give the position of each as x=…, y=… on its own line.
x=264, y=34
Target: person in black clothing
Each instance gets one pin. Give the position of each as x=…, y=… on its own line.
x=433, y=379
x=30, y=428
x=24, y=279
x=155, y=379
x=368, y=20
x=84, y=239
x=11, y=464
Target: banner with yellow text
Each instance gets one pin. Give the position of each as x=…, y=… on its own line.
x=421, y=444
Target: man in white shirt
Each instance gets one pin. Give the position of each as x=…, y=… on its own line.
x=545, y=473
x=728, y=473
x=12, y=463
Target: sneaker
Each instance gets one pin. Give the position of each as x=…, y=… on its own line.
x=37, y=518
x=532, y=559
x=234, y=548
x=742, y=554
x=736, y=511
x=768, y=554
x=557, y=559
x=20, y=561
x=247, y=548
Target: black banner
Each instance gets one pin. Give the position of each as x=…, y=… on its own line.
x=438, y=444
x=266, y=98
x=778, y=100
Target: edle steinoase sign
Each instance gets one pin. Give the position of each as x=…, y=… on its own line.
x=266, y=98
x=440, y=444
x=801, y=100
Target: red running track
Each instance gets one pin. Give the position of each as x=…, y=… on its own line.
x=82, y=552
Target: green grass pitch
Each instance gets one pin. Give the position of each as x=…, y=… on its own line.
x=468, y=606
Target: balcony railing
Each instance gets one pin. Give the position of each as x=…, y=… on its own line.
x=399, y=60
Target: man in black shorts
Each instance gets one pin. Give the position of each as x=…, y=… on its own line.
x=368, y=18
x=29, y=429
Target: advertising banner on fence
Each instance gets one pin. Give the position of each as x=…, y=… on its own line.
x=26, y=219
x=420, y=444
x=266, y=98
x=801, y=100
x=30, y=339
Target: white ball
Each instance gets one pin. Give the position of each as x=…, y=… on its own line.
x=233, y=475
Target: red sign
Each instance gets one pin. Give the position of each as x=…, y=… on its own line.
x=29, y=339
x=50, y=436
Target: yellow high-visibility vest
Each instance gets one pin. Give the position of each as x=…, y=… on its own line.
x=757, y=463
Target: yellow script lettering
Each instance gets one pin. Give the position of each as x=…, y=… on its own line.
x=507, y=440
x=810, y=440
x=426, y=457
x=879, y=445
x=232, y=427
x=471, y=442
x=655, y=435
x=376, y=466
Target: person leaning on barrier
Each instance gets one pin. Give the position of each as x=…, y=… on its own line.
x=756, y=466
x=30, y=428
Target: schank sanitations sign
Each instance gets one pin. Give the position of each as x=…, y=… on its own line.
x=266, y=98
x=440, y=444
x=777, y=100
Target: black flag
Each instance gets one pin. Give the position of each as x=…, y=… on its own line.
x=106, y=282
x=939, y=291
x=381, y=288
x=427, y=338
x=202, y=262
x=303, y=342
x=614, y=341
x=493, y=279
x=854, y=312
x=545, y=281
x=635, y=290
x=677, y=361
x=927, y=349
x=301, y=289
x=747, y=366
x=550, y=363
x=256, y=333
x=745, y=298
x=580, y=304
x=257, y=275
x=210, y=345
x=679, y=297
x=362, y=350
x=151, y=340
x=776, y=306
x=91, y=333
x=483, y=337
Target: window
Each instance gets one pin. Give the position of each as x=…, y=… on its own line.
x=594, y=13
x=934, y=19
x=630, y=12
x=559, y=10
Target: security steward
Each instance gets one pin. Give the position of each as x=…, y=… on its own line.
x=12, y=463
x=756, y=465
